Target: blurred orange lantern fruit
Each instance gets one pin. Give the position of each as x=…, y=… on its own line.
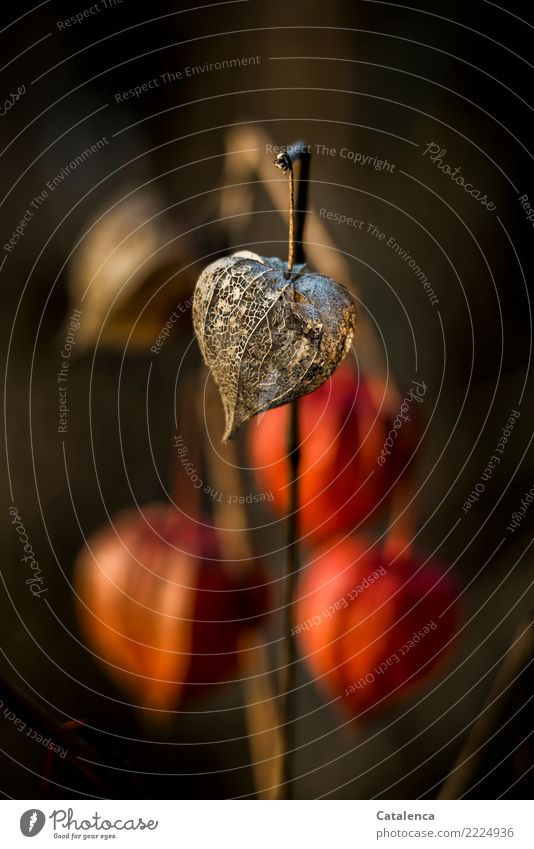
x=343, y=428
x=159, y=609
x=369, y=628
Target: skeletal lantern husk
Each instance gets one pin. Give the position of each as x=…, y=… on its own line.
x=129, y=271
x=267, y=335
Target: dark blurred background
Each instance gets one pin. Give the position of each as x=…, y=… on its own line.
x=378, y=78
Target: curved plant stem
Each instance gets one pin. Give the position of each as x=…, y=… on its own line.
x=298, y=155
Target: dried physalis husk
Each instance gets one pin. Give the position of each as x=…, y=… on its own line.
x=268, y=336
x=129, y=270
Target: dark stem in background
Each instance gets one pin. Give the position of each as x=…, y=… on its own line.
x=297, y=155
x=505, y=701
x=80, y=755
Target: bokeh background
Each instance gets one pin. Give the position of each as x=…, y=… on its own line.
x=382, y=79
